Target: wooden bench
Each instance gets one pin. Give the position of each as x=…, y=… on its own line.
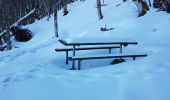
x=85, y=48
x=80, y=58
x=93, y=42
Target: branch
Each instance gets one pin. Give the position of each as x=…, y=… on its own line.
x=20, y=20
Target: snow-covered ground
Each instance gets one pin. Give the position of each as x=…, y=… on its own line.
x=34, y=71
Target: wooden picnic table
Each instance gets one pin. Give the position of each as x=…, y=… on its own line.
x=96, y=41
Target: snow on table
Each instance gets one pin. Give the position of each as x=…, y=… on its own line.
x=97, y=40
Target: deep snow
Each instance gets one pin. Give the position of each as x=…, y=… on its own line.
x=34, y=71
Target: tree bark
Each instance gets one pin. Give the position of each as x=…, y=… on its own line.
x=141, y=6
x=8, y=39
x=65, y=8
x=149, y=3
x=56, y=22
x=99, y=11
x=47, y=10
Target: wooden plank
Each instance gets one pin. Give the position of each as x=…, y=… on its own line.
x=106, y=43
x=107, y=56
x=63, y=42
x=97, y=43
x=86, y=48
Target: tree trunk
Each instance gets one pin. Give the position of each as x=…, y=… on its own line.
x=65, y=8
x=138, y=5
x=8, y=39
x=55, y=22
x=47, y=10
x=166, y=5
x=149, y=3
x=8, y=20
x=141, y=6
x=99, y=11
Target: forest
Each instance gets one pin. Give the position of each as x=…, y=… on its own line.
x=23, y=12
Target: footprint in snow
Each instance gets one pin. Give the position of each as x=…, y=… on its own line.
x=58, y=75
x=25, y=76
x=119, y=72
x=1, y=59
x=5, y=59
x=6, y=79
x=33, y=51
x=90, y=77
x=29, y=76
x=34, y=70
x=39, y=65
x=9, y=58
x=154, y=30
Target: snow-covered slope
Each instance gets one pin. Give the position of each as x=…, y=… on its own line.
x=34, y=71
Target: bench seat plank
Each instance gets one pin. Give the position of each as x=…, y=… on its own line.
x=103, y=56
x=86, y=48
x=123, y=55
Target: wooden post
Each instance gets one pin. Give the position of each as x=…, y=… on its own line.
x=79, y=64
x=74, y=52
x=66, y=57
x=110, y=50
x=120, y=48
x=73, y=61
x=134, y=58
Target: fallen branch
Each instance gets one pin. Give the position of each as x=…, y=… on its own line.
x=21, y=19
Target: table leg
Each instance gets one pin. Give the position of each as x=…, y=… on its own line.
x=74, y=47
x=79, y=64
x=120, y=48
x=120, y=51
x=73, y=61
x=110, y=50
x=66, y=57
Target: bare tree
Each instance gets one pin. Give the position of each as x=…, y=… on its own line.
x=65, y=7
x=44, y=2
x=142, y=7
x=149, y=3
x=8, y=20
x=56, y=21
x=22, y=12
x=165, y=5
x=8, y=39
x=99, y=11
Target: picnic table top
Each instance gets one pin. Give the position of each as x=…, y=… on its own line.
x=97, y=41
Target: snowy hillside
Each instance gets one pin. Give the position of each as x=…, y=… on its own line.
x=34, y=71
